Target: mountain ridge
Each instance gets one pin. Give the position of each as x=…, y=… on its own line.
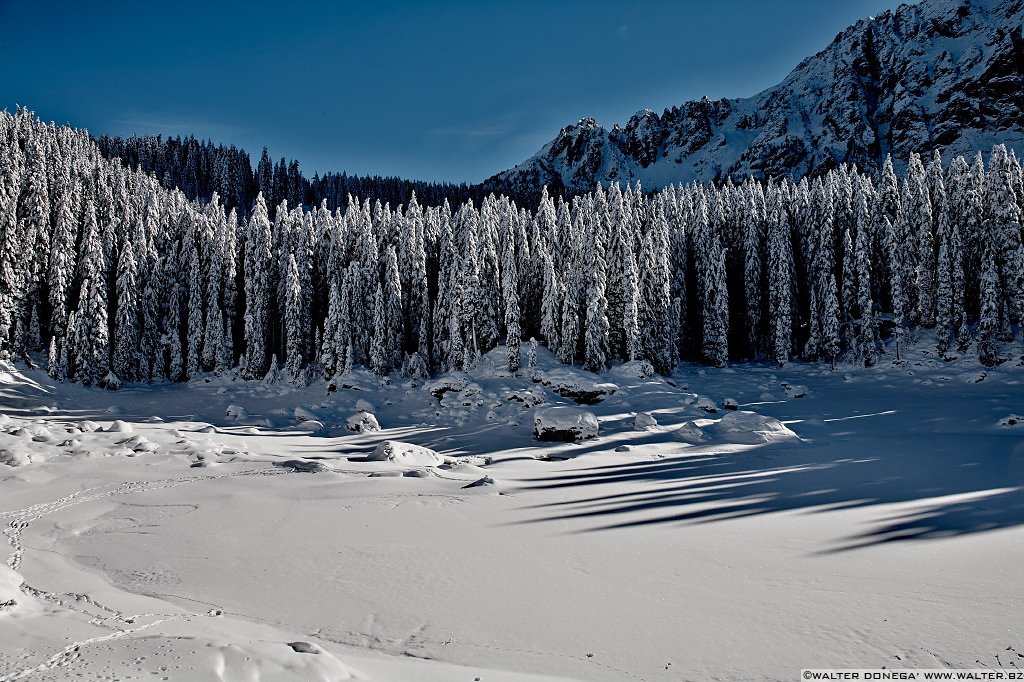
x=940, y=74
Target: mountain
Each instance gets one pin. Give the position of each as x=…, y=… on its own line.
x=941, y=74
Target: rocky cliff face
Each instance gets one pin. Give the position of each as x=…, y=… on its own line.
x=942, y=74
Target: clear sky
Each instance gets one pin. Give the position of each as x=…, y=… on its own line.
x=448, y=90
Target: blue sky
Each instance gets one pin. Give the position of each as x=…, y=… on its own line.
x=449, y=90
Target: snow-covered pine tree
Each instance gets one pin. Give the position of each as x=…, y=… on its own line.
x=1003, y=210
x=866, y=343
x=196, y=331
x=922, y=244
x=961, y=223
x=392, y=291
x=294, y=329
x=656, y=329
x=596, y=341
x=126, y=360
x=989, y=299
x=62, y=253
x=551, y=305
x=893, y=253
x=258, y=261
x=510, y=295
x=710, y=263
x=753, y=262
x=780, y=266
x=623, y=283
x=92, y=352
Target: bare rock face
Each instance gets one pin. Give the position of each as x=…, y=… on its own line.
x=939, y=75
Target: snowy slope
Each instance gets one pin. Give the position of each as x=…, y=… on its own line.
x=942, y=74
x=832, y=519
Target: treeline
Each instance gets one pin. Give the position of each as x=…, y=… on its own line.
x=200, y=168
x=121, y=279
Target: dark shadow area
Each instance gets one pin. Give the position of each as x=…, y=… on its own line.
x=956, y=491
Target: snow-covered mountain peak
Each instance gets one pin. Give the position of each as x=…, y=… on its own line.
x=940, y=74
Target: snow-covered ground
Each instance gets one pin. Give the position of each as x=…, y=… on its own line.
x=224, y=530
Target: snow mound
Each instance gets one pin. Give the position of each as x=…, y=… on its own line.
x=304, y=415
x=480, y=482
x=362, y=422
x=236, y=412
x=311, y=426
x=13, y=458
x=10, y=592
x=575, y=387
x=119, y=426
x=644, y=421
x=730, y=404
x=564, y=423
x=749, y=428
x=795, y=390
x=303, y=466
x=405, y=454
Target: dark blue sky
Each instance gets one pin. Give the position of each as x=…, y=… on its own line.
x=452, y=90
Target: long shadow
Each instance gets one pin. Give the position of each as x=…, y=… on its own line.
x=964, y=488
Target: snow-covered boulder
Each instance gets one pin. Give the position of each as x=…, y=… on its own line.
x=564, y=423
x=706, y=404
x=730, y=404
x=362, y=422
x=749, y=428
x=405, y=454
x=643, y=421
x=795, y=390
x=236, y=412
x=575, y=387
x=304, y=415
x=456, y=381
x=634, y=369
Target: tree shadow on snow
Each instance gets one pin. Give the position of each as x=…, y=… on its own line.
x=958, y=489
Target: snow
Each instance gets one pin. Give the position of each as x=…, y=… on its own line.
x=564, y=423
x=840, y=529
x=405, y=454
x=362, y=422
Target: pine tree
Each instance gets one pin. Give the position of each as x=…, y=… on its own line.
x=596, y=339
x=510, y=294
x=126, y=328
x=551, y=306
x=780, y=265
x=867, y=327
x=988, y=316
x=392, y=291
x=655, y=291
x=378, y=344
x=294, y=330
x=257, y=290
